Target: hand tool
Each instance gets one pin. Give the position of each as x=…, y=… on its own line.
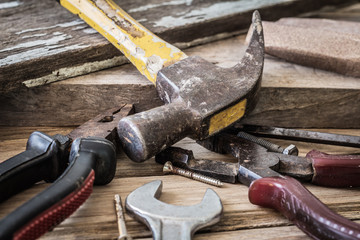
x=169, y=168
x=123, y=235
x=300, y=135
x=168, y=221
x=289, y=150
x=261, y=171
x=201, y=99
x=90, y=160
x=321, y=43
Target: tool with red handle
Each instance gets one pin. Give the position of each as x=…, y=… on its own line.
x=91, y=160
x=262, y=172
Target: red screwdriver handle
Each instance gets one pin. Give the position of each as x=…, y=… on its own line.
x=297, y=204
x=335, y=170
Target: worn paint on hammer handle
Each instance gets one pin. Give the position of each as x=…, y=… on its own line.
x=145, y=50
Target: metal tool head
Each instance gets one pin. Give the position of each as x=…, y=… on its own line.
x=169, y=221
x=104, y=155
x=201, y=100
x=104, y=125
x=256, y=161
x=223, y=171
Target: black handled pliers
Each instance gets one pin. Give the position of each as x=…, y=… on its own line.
x=73, y=163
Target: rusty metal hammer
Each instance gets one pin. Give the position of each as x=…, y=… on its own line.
x=201, y=98
x=168, y=221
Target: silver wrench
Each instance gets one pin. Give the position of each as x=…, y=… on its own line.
x=168, y=221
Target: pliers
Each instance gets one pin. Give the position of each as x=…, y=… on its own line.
x=269, y=176
x=73, y=163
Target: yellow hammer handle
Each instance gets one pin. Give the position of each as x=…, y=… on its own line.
x=145, y=50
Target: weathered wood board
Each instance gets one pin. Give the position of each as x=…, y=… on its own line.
x=291, y=95
x=42, y=42
x=240, y=220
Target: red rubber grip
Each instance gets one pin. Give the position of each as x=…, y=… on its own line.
x=335, y=170
x=297, y=204
x=58, y=212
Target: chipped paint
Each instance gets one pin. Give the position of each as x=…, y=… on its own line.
x=216, y=10
x=226, y=117
x=34, y=35
x=145, y=50
x=170, y=3
x=10, y=4
x=62, y=25
x=65, y=73
x=39, y=48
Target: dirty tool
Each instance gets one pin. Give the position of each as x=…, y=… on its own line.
x=75, y=162
x=201, y=98
x=262, y=172
x=169, y=221
x=169, y=168
x=123, y=235
x=300, y=135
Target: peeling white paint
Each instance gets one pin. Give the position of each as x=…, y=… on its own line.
x=63, y=25
x=10, y=4
x=89, y=31
x=30, y=44
x=41, y=48
x=214, y=11
x=65, y=73
x=170, y=3
x=34, y=35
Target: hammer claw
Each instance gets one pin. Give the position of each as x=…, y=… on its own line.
x=201, y=100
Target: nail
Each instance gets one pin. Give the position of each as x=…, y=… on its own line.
x=169, y=168
x=123, y=235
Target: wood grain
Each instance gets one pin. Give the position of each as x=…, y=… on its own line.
x=291, y=95
x=42, y=42
x=240, y=220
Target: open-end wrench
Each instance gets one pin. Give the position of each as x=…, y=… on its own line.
x=260, y=170
x=168, y=221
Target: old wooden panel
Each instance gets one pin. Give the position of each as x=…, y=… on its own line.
x=291, y=95
x=240, y=220
x=42, y=42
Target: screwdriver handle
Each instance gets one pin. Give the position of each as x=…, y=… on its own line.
x=297, y=204
x=335, y=170
x=145, y=50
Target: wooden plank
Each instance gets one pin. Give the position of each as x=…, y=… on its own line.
x=43, y=42
x=241, y=220
x=291, y=95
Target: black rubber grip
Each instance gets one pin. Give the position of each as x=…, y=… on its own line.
x=66, y=194
x=40, y=161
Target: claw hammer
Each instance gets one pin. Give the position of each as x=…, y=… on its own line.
x=200, y=98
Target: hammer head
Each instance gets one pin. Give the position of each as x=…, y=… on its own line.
x=169, y=221
x=201, y=99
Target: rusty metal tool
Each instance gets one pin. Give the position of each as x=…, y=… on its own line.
x=262, y=172
x=123, y=235
x=300, y=135
x=169, y=168
x=91, y=160
x=169, y=221
x=201, y=98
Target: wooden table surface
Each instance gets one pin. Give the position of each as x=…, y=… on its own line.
x=312, y=99
x=240, y=220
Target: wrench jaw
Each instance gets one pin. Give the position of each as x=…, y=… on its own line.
x=168, y=221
